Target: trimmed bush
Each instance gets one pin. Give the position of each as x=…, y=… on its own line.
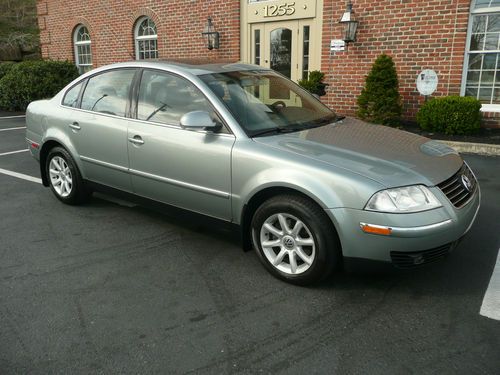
x=380, y=101
x=314, y=83
x=451, y=115
x=5, y=67
x=34, y=80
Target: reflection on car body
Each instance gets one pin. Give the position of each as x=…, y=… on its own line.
x=243, y=144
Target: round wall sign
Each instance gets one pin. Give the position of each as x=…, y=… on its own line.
x=427, y=82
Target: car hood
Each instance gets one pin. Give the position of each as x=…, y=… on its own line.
x=389, y=156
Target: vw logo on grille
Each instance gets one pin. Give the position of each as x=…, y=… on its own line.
x=466, y=182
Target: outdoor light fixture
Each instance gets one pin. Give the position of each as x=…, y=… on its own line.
x=350, y=24
x=211, y=34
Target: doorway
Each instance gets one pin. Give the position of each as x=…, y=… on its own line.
x=285, y=46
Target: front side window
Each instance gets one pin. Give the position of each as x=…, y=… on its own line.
x=483, y=57
x=165, y=98
x=264, y=102
x=108, y=92
x=146, y=39
x=83, y=51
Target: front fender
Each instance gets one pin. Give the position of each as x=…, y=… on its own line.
x=256, y=170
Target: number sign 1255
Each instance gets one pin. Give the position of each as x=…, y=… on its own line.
x=286, y=9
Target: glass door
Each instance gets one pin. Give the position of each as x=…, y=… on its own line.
x=283, y=46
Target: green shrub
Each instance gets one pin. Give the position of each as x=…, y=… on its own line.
x=5, y=67
x=34, y=80
x=451, y=115
x=314, y=83
x=380, y=101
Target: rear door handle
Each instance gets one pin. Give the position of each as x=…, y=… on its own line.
x=75, y=126
x=136, y=140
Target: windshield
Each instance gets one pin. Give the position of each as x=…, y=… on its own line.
x=264, y=102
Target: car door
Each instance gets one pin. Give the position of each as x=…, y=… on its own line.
x=187, y=169
x=99, y=129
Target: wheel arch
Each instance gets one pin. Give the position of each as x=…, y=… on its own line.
x=249, y=208
x=48, y=145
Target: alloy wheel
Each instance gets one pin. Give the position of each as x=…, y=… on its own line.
x=287, y=243
x=60, y=176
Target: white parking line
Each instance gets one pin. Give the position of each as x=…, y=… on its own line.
x=491, y=301
x=14, y=152
x=20, y=127
x=20, y=175
x=9, y=117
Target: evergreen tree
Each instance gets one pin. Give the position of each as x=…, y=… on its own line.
x=380, y=101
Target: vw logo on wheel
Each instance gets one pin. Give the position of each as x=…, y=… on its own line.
x=466, y=182
x=289, y=242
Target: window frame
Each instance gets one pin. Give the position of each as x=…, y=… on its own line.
x=138, y=39
x=85, y=81
x=485, y=107
x=77, y=43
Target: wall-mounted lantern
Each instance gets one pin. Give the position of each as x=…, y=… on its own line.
x=211, y=34
x=350, y=24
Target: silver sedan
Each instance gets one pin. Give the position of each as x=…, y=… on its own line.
x=247, y=146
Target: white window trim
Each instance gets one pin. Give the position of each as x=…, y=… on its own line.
x=138, y=38
x=81, y=43
x=473, y=12
x=485, y=10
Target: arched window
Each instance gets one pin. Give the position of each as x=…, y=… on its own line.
x=146, y=46
x=83, y=51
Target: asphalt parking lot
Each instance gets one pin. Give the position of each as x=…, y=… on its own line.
x=112, y=287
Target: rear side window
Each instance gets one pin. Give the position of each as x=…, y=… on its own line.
x=108, y=92
x=71, y=97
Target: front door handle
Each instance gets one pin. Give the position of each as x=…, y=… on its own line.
x=75, y=126
x=136, y=140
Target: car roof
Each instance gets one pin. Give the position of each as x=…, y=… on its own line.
x=195, y=67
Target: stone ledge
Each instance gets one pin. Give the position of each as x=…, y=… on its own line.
x=474, y=148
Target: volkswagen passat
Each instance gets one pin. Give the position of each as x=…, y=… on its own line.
x=245, y=145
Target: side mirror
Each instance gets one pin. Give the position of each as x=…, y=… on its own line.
x=198, y=120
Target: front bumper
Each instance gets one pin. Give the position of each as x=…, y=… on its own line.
x=419, y=236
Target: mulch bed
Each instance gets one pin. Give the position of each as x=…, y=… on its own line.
x=489, y=136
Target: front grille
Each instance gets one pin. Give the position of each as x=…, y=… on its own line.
x=414, y=259
x=455, y=189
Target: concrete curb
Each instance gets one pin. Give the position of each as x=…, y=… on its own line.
x=474, y=148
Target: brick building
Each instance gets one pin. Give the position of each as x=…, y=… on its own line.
x=458, y=39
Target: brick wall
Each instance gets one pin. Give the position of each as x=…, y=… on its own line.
x=111, y=23
x=417, y=34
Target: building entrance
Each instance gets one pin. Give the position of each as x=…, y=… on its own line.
x=284, y=46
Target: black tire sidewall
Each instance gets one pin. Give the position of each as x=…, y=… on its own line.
x=77, y=187
x=305, y=211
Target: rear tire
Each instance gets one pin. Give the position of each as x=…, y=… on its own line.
x=295, y=239
x=64, y=177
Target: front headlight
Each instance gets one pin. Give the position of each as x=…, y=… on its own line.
x=404, y=199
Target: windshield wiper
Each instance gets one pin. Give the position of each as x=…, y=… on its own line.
x=160, y=108
x=298, y=127
x=276, y=130
x=327, y=120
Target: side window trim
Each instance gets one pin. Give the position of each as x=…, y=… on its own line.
x=134, y=93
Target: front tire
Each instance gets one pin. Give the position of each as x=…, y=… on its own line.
x=64, y=177
x=295, y=240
